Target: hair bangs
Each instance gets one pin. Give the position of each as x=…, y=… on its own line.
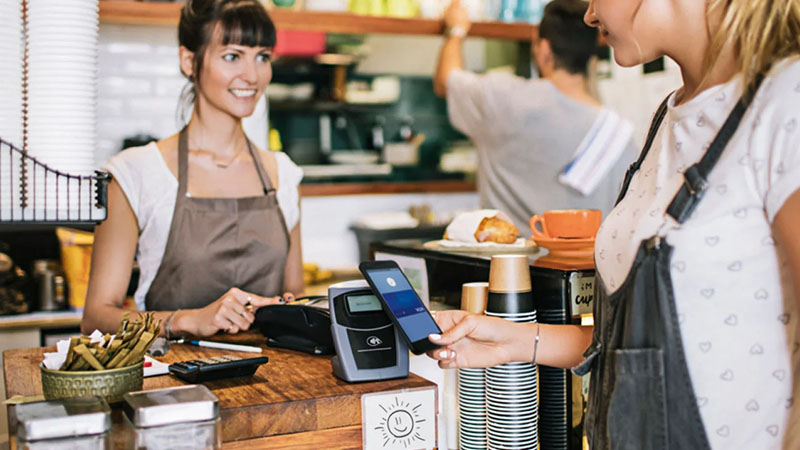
x=248, y=25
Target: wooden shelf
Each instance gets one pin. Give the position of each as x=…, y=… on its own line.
x=385, y=187
x=167, y=13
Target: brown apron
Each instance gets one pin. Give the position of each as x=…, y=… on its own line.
x=215, y=244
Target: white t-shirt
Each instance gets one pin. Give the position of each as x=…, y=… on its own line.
x=733, y=291
x=525, y=133
x=151, y=189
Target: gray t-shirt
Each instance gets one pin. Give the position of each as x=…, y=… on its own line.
x=526, y=132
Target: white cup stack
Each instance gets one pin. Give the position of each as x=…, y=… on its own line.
x=62, y=98
x=11, y=107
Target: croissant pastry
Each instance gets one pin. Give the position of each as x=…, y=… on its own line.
x=493, y=229
x=487, y=225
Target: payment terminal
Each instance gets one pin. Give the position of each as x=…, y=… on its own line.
x=368, y=347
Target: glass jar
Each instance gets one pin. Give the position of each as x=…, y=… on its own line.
x=202, y=435
x=66, y=424
x=95, y=442
x=177, y=418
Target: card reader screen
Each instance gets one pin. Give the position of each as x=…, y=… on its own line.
x=363, y=303
x=404, y=303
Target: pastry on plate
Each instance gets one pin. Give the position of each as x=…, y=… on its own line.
x=484, y=225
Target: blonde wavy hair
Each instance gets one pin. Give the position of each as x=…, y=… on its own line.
x=761, y=31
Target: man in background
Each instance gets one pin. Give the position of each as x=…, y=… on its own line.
x=542, y=143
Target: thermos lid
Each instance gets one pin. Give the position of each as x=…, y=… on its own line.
x=509, y=273
x=192, y=403
x=474, y=296
x=64, y=418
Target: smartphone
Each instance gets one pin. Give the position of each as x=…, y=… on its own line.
x=401, y=303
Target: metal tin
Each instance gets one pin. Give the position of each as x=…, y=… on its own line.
x=51, y=285
x=62, y=418
x=192, y=403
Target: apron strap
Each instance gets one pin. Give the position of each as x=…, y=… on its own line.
x=651, y=135
x=694, y=179
x=183, y=162
x=266, y=183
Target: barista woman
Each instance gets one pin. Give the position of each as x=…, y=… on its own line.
x=212, y=220
x=695, y=344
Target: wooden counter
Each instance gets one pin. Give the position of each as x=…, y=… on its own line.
x=294, y=394
x=41, y=319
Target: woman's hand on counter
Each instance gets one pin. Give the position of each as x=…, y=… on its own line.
x=472, y=340
x=231, y=313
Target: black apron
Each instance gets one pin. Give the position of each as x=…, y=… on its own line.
x=641, y=394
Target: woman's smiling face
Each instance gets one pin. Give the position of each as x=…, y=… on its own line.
x=233, y=77
x=633, y=28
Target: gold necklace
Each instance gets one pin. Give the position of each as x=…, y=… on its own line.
x=225, y=165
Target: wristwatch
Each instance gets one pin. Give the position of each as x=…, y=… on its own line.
x=455, y=31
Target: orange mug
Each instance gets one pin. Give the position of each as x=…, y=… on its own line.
x=567, y=224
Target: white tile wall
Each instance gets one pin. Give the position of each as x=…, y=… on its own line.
x=139, y=84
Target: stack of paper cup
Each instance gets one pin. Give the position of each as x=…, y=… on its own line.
x=472, y=382
x=11, y=64
x=511, y=389
x=11, y=106
x=62, y=80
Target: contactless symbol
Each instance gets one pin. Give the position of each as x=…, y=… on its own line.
x=390, y=281
x=374, y=341
x=401, y=424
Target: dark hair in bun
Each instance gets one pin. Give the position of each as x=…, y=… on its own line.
x=243, y=22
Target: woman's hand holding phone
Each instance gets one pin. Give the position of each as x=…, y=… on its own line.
x=472, y=340
x=231, y=313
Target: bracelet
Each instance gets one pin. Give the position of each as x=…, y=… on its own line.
x=168, y=324
x=457, y=31
x=536, y=344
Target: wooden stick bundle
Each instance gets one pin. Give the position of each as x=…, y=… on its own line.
x=126, y=348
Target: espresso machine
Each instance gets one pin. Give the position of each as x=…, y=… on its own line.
x=563, y=292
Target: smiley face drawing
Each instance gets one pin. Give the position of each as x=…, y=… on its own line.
x=401, y=424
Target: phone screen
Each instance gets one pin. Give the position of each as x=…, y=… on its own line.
x=400, y=297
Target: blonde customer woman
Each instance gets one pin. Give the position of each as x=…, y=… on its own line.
x=695, y=343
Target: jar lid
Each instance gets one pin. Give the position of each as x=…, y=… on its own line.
x=62, y=418
x=192, y=403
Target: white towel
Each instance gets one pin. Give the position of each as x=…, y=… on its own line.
x=600, y=149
